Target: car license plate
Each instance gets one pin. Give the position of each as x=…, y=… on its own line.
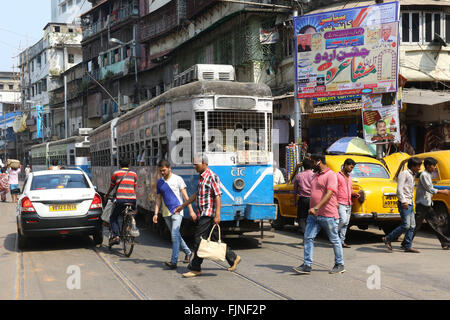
x=63, y=207
x=390, y=201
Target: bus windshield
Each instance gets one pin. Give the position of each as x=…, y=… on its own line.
x=232, y=131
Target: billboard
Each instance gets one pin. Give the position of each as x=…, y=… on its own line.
x=380, y=117
x=39, y=111
x=347, y=52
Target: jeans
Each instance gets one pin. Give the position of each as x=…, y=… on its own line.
x=202, y=230
x=313, y=226
x=407, y=226
x=119, y=206
x=174, y=223
x=345, y=212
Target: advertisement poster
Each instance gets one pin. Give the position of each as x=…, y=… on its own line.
x=380, y=117
x=39, y=133
x=347, y=52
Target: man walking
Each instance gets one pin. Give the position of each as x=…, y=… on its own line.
x=344, y=198
x=302, y=188
x=170, y=190
x=405, y=193
x=424, y=203
x=322, y=214
x=208, y=197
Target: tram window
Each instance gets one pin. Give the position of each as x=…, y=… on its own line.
x=72, y=160
x=155, y=131
x=155, y=145
x=164, y=149
x=251, y=123
x=162, y=129
x=184, y=124
x=199, y=131
x=148, y=152
x=137, y=153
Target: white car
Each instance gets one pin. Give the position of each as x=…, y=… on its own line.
x=59, y=203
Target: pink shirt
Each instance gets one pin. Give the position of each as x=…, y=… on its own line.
x=13, y=176
x=302, y=183
x=322, y=182
x=345, y=189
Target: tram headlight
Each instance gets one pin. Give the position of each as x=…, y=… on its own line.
x=239, y=184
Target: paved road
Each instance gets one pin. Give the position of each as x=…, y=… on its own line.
x=73, y=268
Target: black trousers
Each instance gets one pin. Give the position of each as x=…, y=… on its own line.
x=438, y=225
x=202, y=229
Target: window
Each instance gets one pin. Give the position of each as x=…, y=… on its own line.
x=11, y=87
x=369, y=170
x=71, y=58
x=422, y=27
x=57, y=28
x=58, y=181
x=432, y=25
x=1, y=86
x=63, y=10
x=410, y=25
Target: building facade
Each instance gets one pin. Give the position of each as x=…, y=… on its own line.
x=68, y=11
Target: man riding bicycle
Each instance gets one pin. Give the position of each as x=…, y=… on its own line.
x=125, y=181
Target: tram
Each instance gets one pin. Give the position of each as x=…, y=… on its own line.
x=73, y=152
x=229, y=122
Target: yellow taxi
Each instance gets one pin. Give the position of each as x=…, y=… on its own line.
x=377, y=204
x=441, y=178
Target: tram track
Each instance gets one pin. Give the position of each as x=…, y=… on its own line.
x=292, y=255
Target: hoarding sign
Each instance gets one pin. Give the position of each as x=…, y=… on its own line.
x=39, y=133
x=381, y=123
x=347, y=52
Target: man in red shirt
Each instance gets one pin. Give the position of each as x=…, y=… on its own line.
x=344, y=198
x=323, y=213
x=124, y=180
x=208, y=198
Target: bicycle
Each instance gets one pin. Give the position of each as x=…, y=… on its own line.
x=126, y=236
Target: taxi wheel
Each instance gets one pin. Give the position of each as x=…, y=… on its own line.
x=98, y=236
x=280, y=221
x=441, y=212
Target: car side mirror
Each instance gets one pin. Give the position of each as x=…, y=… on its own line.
x=96, y=188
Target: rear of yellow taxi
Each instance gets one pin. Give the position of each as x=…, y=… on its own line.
x=377, y=204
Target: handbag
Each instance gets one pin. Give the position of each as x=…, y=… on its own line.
x=212, y=250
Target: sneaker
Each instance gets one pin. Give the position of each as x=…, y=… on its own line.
x=303, y=269
x=444, y=247
x=188, y=258
x=236, y=262
x=338, y=268
x=170, y=265
x=388, y=244
x=192, y=274
x=412, y=250
x=345, y=245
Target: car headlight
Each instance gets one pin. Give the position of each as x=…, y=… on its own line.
x=239, y=184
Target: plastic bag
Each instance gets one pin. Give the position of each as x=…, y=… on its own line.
x=107, y=211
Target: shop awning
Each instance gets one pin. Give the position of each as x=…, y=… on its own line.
x=425, y=97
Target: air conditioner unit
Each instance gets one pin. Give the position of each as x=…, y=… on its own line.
x=84, y=131
x=216, y=72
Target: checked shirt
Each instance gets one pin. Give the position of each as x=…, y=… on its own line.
x=208, y=188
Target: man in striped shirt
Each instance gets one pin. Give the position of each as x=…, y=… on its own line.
x=124, y=180
x=208, y=198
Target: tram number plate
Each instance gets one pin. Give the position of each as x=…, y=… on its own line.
x=390, y=201
x=63, y=207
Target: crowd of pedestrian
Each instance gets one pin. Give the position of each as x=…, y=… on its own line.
x=325, y=200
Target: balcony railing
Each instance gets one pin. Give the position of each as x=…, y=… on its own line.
x=160, y=21
x=122, y=14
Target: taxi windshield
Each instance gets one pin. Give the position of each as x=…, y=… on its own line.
x=59, y=181
x=369, y=170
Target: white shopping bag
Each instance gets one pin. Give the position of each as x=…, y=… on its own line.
x=107, y=211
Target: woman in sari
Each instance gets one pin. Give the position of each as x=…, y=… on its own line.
x=4, y=184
